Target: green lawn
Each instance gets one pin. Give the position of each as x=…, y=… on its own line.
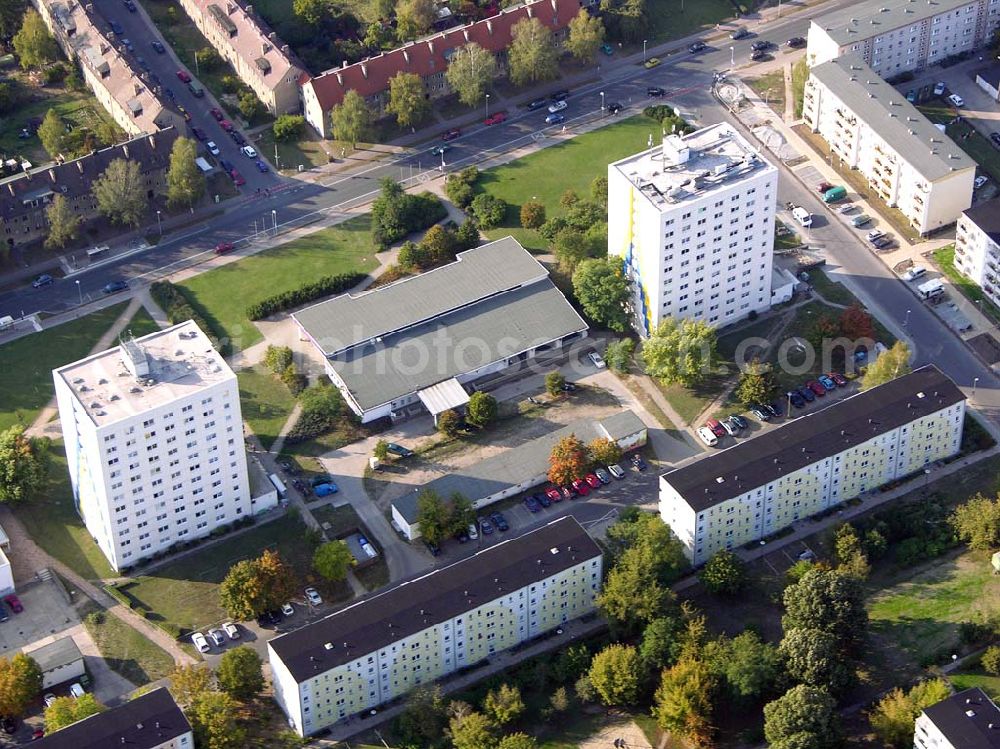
x=28, y=363
x=126, y=651
x=266, y=403
x=832, y=291
x=142, y=324
x=772, y=86
x=689, y=402
x=52, y=521
x=921, y=615
x=800, y=73
x=548, y=173
x=945, y=261
x=667, y=20
x=185, y=594
x=967, y=680
x=223, y=295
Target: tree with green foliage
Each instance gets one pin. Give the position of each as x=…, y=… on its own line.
x=351, y=119
x=277, y=358
x=599, y=191
x=332, y=560
x=504, y=704
x=570, y=248
x=253, y=586
x=185, y=181
x=892, y=719
x=586, y=35
x=803, y=718
x=756, y=384
x=481, y=411
x=615, y=673
x=34, y=45
x=288, y=127
x=829, y=601
x=321, y=409
x=208, y=59
x=626, y=20
x=65, y=711
x=433, y=516
x=20, y=683
x=572, y=663
x=461, y=514
x=215, y=721
x=888, y=366
x=850, y=552
x=568, y=460
x=239, y=673
x=64, y=224
x=470, y=73
x=249, y=105
x=632, y=595
x=414, y=18
x=680, y=352
x=187, y=683
x=24, y=465
x=471, y=730
x=554, y=382
x=660, y=643
x=407, y=99
x=750, y=667
x=814, y=657
x=619, y=355
x=990, y=660
x=683, y=701
x=488, y=210
x=559, y=701
x=724, y=574
x=977, y=522
x=604, y=451
x=518, y=741
x=532, y=56
x=52, y=134
x=532, y=214
x=424, y=719
x=313, y=12
x=449, y=423
x=603, y=291
x=121, y=193
x=381, y=450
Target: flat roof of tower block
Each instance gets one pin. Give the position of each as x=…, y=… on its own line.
x=814, y=437
x=861, y=20
x=434, y=597
x=143, y=373
x=693, y=165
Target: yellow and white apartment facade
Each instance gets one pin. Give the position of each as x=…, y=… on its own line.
x=977, y=247
x=693, y=223
x=758, y=487
x=872, y=128
x=423, y=629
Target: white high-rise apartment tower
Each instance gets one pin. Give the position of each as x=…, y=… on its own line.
x=693, y=221
x=154, y=442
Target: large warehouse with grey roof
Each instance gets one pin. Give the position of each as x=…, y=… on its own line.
x=414, y=344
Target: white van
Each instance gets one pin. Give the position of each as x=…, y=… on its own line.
x=708, y=436
x=6, y=322
x=802, y=216
x=930, y=289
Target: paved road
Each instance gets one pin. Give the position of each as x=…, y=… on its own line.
x=686, y=78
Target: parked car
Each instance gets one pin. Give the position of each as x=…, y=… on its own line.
x=9, y=725
x=761, y=45
x=495, y=118
x=707, y=436
x=566, y=492
x=697, y=47
x=558, y=106
x=216, y=636
x=432, y=547
x=158, y=46
x=262, y=166
x=956, y=101
x=838, y=379
x=116, y=27
x=602, y=475
x=537, y=103
x=807, y=394
x=287, y=609
x=818, y=389
x=596, y=360
x=199, y=134
x=912, y=274
x=822, y=187
x=740, y=33
x=981, y=180
x=184, y=76
x=451, y=134
x=402, y=452
x=796, y=399
x=313, y=596
x=223, y=247
x=38, y=733
x=14, y=602
x=50, y=698
x=237, y=178
x=616, y=470
x=638, y=462
x=200, y=642
x=553, y=494
x=532, y=504
x=212, y=148
x=485, y=526
x=237, y=137
x=882, y=242
x=775, y=408
x=757, y=55
x=580, y=487
x=911, y=95
x=115, y=286
x=607, y=49
x=232, y=630
x=499, y=521
x=472, y=531
x=249, y=151
x=861, y=220
x=995, y=137
x=543, y=500
x=184, y=113
x=43, y=280
x=875, y=234
x=939, y=88
x=717, y=429
x=592, y=481
x=827, y=383
x=76, y=690
x=560, y=95
x=655, y=92
x=796, y=42
x=555, y=119
x=325, y=490
x=847, y=208
x=217, y=114
x=568, y=387
x=739, y=421
x=731, y=429
x=462, y=537
x=614, y=107
x=760, y=413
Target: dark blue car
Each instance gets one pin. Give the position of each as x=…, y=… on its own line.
x=555, y=119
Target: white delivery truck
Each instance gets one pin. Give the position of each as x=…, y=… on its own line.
x=802, y=216
x=930, y=289
x=6, y=322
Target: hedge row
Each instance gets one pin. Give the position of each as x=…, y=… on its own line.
x=317, y=289
x=178, y=307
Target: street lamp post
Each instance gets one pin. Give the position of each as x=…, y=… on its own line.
x=274, y=220
x=975, y=381
x=602, y=101
x=79, y=290
x=442, y=160
x=159, y=226
x=732, y=57
x=487, y=106
x=644, y=51
x=906, y=320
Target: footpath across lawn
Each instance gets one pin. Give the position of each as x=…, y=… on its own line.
x=127, y=651
x=266, y=403
x=27, y=363
x=223, y=295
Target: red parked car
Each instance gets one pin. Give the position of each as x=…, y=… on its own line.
x=554, y=494
x=581, y=488
x=816, y=388
x=823, y=187
x=451, y=134
x=14, y=602
x=226, y=125
x=184, y=76
x=223, y=247
x=716, y=426
x=216, y=114
x=592, y=479
x=237, y=178
x=495, y=119
x=838, y=378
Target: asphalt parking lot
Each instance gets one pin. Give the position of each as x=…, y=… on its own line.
x=46, y=612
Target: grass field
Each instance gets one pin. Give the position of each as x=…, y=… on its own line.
x=832, y=291
x=969, y=679
x=28, y=363
x=945, y=261
x=185, y=593
x=223, y=295
x=126, y=651
x=772, y=87
x=52, y=521
x=921, y=615
x=142, y=324
x=547, y=174
x=668, y=21
x=266, y=403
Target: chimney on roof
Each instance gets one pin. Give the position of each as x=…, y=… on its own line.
x=52, y=174
x=489, y=26
x=152, y=141
x=364, y=70
x=340, y=78
x=125, y=149
x=272, y=36
x=230, y=8
x=265, y=48
x=249, y=10
x=104, y=48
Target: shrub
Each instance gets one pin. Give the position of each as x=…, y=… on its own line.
x=320, y=288
x=460, y=186
x=288, y=127
x=178, y=309
x=532, y=214
x=396, y=214
x=278, y=358
x=294, y=380
x=991, y=660
x=488, y=210
x=322, y=406
x=230, y=84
